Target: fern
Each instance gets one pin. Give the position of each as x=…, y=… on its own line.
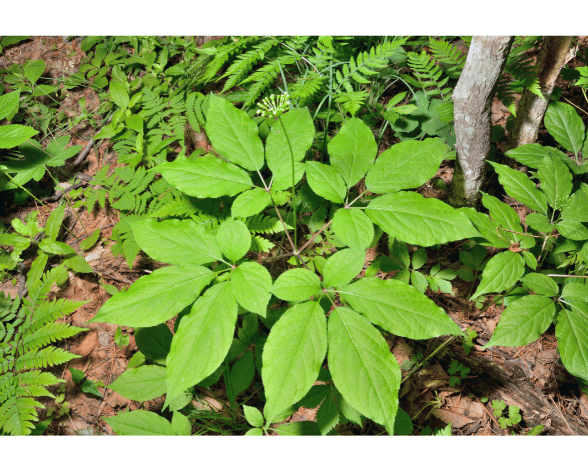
x=427, y=75
x=261, y=223
x=450, y=56
x=264, y=78
x=25, y=339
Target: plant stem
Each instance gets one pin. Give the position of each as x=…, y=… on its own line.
x=293, y=185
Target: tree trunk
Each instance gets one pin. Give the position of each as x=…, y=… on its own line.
x=531, y=109
x=472, y=98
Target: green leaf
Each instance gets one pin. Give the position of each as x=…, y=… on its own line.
x=135, y=122
x=77, y=375
x=181, y=242
x=89, y=386
x=12, y=135
x=556, y=181
x=539, y=222
x=531, y=155
x=575, y=209
x=91, y=240
x=33, y=70
x=155, y=298
x=118, y=94
x=181, y=424
x=519, y=186
x=575, y=292
x=254, y=431
x=292, y=356
x=399, y=308
x=296, y=285
x=7, y=103
x=253, y=416
x=362, y=366
x=324, y=181
x=298, y=428
x=572, y=230
x=341, y=268
x=418, y=220
x=501, y=273
x=406, y=165
x=327, y=416
x=352, y=151
x=505, y=215
x=232, y=133
x=141, y=384
x=54, y=222
x=140, y=423
x=403, y=424
x=252, y=283
x=78, y=264
x=250, y=203
x=571, y=331
x=487, y=227
x=234, y=239
x=300, y=130
x=154, y=342
x=56, y=248
x=540, y=284
x=242, y=372
x=203, y=339
x=205, y=177
x=523, y=321
x=353, y=228
x=564, y=124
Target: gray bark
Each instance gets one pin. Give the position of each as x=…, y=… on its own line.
x=531, y=109
x=472, y=98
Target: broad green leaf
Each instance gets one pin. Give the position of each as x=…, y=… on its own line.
x=155, y=298
x=141, y=384
x=327, y=416
x=292, y=356
x=298, y=428
x=181, y=424
x=531, y=155
x=341, y=268
x=575, y=209
x=250, y=203
x=8, y=102
x=353, y=150
x=399, y=308
x=523, y=321
x=324, y=181
x=572, y=230
x=406, y=165
x=504, y=215
x=89, y=242
x=539, y=222
x=154, y=342
x=300, y=131
x=362, y=366
x=353, y=228
x=540, y=284
x=564, y=124
x=519, y=186
x=575, y=166
x=571, y=331
x=234, y=239
x=234, y=134
x=501, y=273
x=54, y=223
x=135, y=122
x=487, y=227
x=296, y=285
x=118, y=94
x=12, y=135
x=556, y=181
x=254, y=431
x=37, y=267
x=253, y=416
x=77, y=264
x=242, y=372
x=181, y=242
x=252, y=284
x=33, y=70
x=575, y=292
x=203, y=339
x=402, y=424
x=140, y=423
x=205, y=177
x=56, y=248
x=422, y=221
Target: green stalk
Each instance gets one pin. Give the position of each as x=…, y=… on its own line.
x=293, y=188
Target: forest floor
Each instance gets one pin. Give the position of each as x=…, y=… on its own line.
x=427, y=396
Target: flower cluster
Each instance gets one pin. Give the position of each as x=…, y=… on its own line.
x=274, y=106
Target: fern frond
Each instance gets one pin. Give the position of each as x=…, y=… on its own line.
x=48, y=333
x=428, y=75
x=223, y=54
x=193, y=110
x=305, y=88
x=261, y=223
x=18, y=414
x=448, y=55
x=352, y=101
x=261, y=245
x=264, y=77
x=48, y=357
